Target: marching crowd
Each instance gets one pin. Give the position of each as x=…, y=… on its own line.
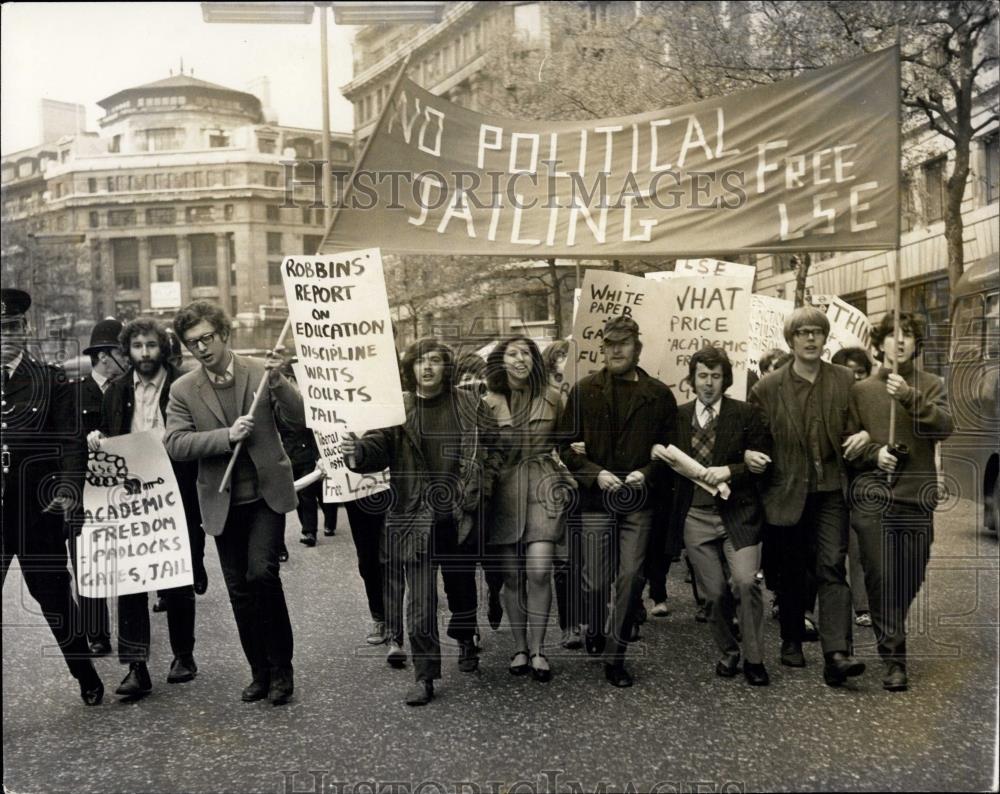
x=500, y=466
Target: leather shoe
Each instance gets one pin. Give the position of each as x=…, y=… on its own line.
x=468, y=656
x=282, y=686
x=182, y=670
x=895, y=678
x=542, y=674
x=791, y=654
x=308, y=540
x=728, y=667
x=617, y=675
x=595, y=643
x=376, y=634
x=160, y=605
x=257, y=689
x=330, y=531
x=137, y=683
x=100, y=648
x=396, y=656
x=91, y=688
x=839, y=667
x=756, y=674
x=200, y=582
x=420, y=694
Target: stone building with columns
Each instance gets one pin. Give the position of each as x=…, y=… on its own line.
x=180, y=195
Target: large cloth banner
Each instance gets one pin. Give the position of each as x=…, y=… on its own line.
x=677, y=313
x=347, y=369
x=767, y=327
x=807, y=164
x=134, y=537
x=341, y=484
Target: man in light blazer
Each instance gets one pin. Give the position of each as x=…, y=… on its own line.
x=805, y=406
x=207, y=416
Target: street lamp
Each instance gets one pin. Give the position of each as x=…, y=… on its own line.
x=343, y=14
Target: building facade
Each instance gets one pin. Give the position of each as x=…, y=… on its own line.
x=183, y=194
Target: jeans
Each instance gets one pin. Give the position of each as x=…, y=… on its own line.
x=817, y=543
x=248, y=551
x=895, y=544
x=613, y=550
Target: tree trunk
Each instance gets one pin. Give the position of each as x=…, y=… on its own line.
x=801, y=273
x=556, y=297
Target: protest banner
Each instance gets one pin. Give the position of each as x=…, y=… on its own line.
x=767, y=327
x=342, y=484
x=713, y=267
x=849, y=327
x=347, y=369
x=134, y=537
x=736, y=173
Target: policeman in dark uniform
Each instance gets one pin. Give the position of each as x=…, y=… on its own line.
x=42, y=464
x=106, y=364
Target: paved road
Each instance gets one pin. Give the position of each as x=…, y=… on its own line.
x=679, y=729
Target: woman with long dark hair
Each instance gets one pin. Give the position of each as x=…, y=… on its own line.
x=527, y=513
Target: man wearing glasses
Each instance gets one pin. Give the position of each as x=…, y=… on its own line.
x=207, y=416
x=806, y=408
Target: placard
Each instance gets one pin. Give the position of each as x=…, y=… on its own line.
x=341, y=484
x=134, y=537
x=347, y=367
x=767, y=327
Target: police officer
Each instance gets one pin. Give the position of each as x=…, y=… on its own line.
x=106, y=364
x=42, y=461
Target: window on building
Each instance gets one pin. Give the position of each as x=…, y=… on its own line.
x=161, y=216
x=92, y=185
x=203, y=264
x=321, y=212
x=929, y=299
x=164, y=247
x=534, y=308
x=163, y=139
x=306, y=215
x=991, y=167
x=273, y=212
x=164, y=273
x=907, y=208
x=95, y=220
x=272, y=178
x=266, y=145
x=934, y=189
x=528, y=22
x=228, y=211
x=125, y=259
x=218, y=140
x=274, y=272
x=200, y=214
x=859, y=300
x=231, y=241
x=274, y=243
x=121, y=217
x=311, y=243
x=115, y=144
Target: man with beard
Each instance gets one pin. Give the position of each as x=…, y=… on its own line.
x=619, y=414
x=805, y=407
x=134, y=404
x=42, y=461
x=207, y=417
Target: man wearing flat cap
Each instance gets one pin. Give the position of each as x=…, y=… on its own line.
x=42, y=463
x=611, y=422
x=106, y=363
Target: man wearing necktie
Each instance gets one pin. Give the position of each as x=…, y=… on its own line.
x=43, y=463
x=722, y=536
x=207, y=417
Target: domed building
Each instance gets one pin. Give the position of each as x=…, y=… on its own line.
x=181, y=195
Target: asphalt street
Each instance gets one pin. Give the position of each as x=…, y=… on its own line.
x=680, y=728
